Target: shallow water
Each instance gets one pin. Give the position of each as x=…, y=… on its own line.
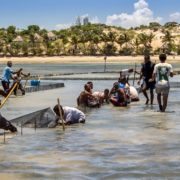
x=115, y=143
x=42, y=69
x=48, y=68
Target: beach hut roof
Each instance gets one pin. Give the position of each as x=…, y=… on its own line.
x=37, y=36
x=51, y=35
x=18, y=39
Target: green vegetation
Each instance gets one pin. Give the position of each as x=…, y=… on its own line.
x=90, y=39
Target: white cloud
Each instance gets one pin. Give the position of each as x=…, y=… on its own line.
x=175, y=17
x=94, y=20
x=142, y=15
x=63, y=26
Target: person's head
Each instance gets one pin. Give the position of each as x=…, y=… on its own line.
x=56, y=110
x=122, y=80
x=9, y=63
x=147, y=58
x=116, y=85
x=87, y=87
x=106, y=93
x=90, y=83
x=162, y=57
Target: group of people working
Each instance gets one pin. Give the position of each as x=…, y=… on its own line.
x=153, y=76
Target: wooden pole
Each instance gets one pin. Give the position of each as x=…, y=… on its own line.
x=105, y=58
x=25, y=83
x=35, y=126
x=4, y=137
x=134, y=74
x=21, y=128
x=61, y=116
x=6, y=98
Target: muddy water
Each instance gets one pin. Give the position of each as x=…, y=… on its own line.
x=134, y=142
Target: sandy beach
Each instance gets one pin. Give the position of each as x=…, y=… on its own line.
x=83, y=59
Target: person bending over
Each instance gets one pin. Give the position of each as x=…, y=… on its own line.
x=70, y=115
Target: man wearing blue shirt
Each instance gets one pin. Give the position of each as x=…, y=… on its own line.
x=7, y=75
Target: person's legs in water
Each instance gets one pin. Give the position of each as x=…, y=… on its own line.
x=15, y=91
x=152, y=95
x=165, y=98
x=21, y=88
x=5, y=85
x=159, y=101
x=144, y=90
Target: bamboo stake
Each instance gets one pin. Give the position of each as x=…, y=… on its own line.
x=61, y=116
x=134, y=74
x=35, y=125
x=21, y=128
x=4, y=137
x=25, y=83
x=6, y=98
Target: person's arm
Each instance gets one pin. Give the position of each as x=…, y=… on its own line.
x=82, y=117
x=17, y=72
x=154, y=73
x=171, y=71
x=111, y=91
x=25, y=75
x=141, y=75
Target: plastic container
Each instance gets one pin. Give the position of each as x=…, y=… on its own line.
x=35, y=82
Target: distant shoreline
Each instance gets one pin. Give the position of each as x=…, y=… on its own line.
x=83, y=59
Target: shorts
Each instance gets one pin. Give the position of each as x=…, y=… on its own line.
x=148, y=85
x=164, y=90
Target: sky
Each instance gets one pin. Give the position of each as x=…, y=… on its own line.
x=59, y=14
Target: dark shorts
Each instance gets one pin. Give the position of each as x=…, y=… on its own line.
x=5, y=85
x=148, y=85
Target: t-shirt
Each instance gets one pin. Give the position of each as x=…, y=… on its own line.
x=73, y=115
x=98, y=94
x=162, y=71
x=7, y=74
x=147, y=70
x=133, y=93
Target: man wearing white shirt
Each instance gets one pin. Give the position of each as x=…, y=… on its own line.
x=161, y=73
x=70, y=115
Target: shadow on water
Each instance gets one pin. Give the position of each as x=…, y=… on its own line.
x=133, y=142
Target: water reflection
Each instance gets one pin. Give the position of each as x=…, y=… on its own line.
x=134, y=142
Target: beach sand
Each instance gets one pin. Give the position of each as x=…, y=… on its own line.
x=83, y=59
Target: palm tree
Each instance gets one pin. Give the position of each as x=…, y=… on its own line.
x=74, y=43
x=125, y=39
x=146, y=40
x=136, y=43
x=168, y=42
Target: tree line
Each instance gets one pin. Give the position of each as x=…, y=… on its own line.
x=90, y=39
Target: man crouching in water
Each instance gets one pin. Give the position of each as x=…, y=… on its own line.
x=70, y=115
x=102, y=96
x=86, y=98
x=119, y=97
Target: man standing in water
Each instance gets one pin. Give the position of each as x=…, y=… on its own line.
x=146, y=73
x=162, y=71
x=7, y=75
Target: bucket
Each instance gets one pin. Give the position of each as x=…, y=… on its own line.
x=35, y=82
